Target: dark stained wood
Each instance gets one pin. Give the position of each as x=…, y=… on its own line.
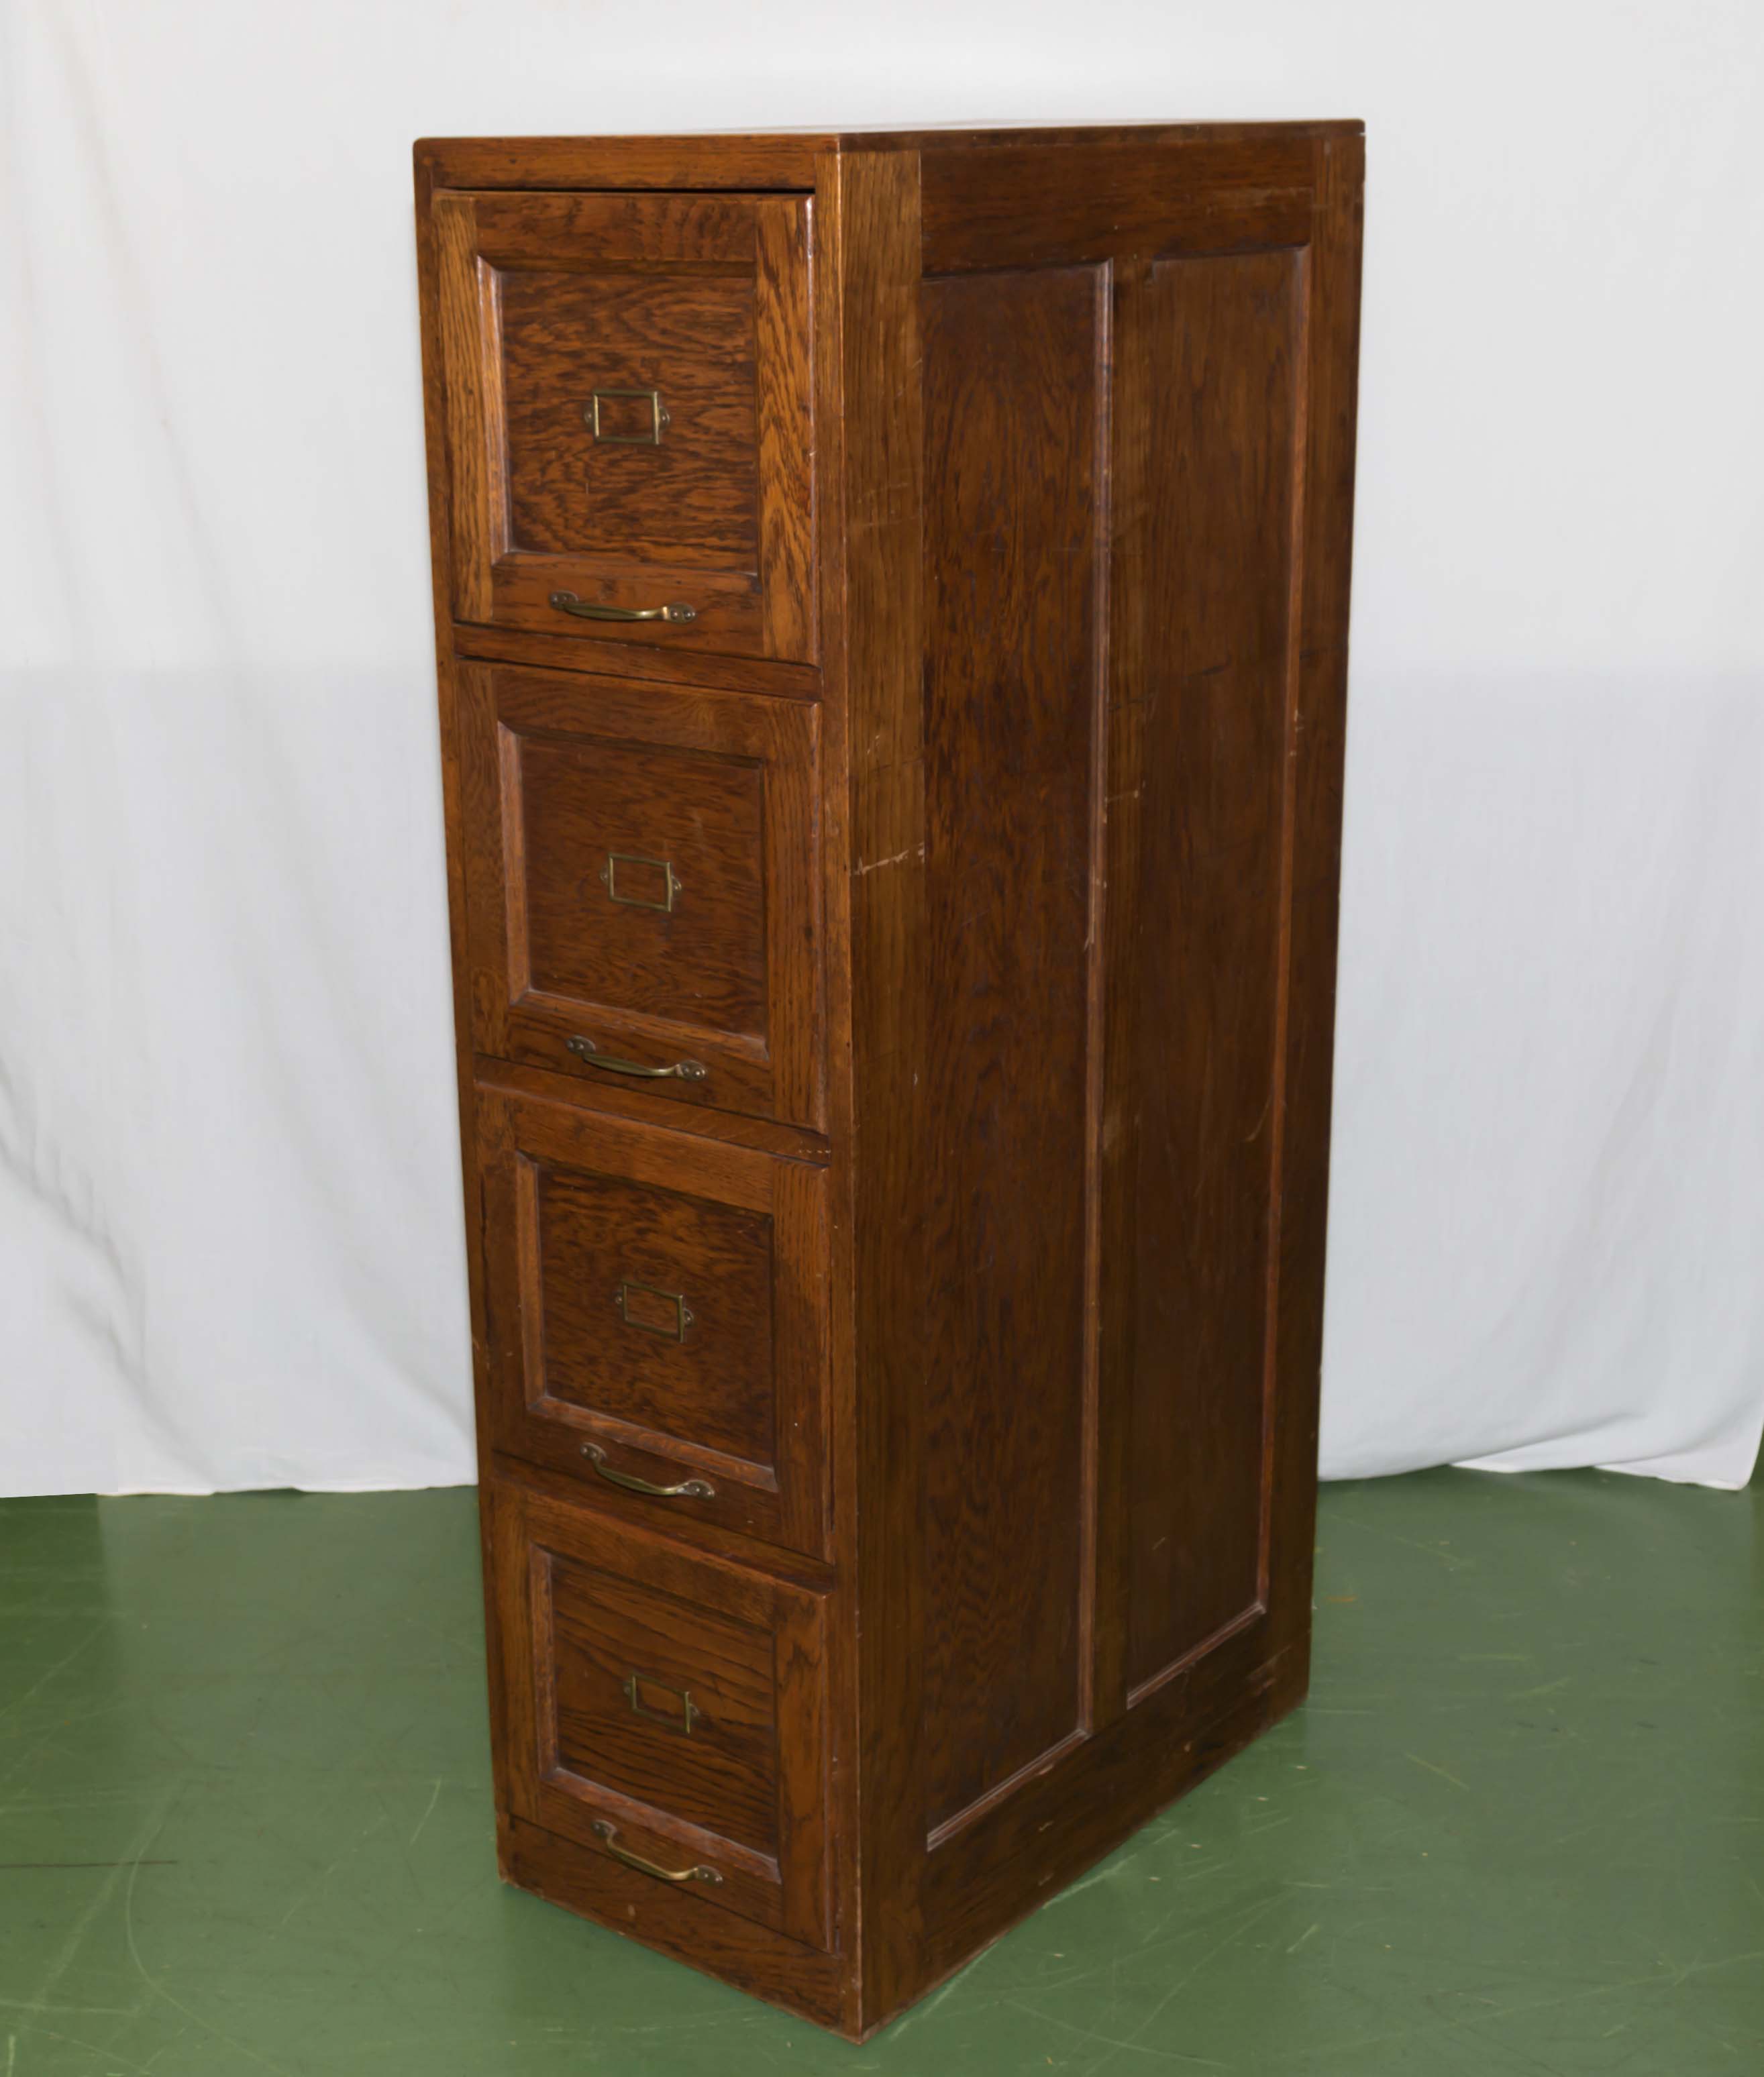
x=1319, y=745
x=697, y=1734
x=642, y=878
x=514, y=1078
x=1013, y=396
x=586, y=1605
x=689, y=498
x=563, y=652
x=1001, y=779
x=683, y=1923
x=697, y=1365
x=567, y=773
x=784, y=425
x=1024, y=205
x=578, y=1204
x=594, y=233
x=1202, y=1054
x=845, y=1811
x=547, y=300
x=883, y=608
x=790, y=159
x=720, y=163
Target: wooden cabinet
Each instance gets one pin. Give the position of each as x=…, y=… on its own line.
x=891, y=594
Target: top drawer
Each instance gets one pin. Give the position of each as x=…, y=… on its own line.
x=627, y=394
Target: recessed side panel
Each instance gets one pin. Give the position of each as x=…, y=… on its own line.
x=1208, y=752
x=1013, y=375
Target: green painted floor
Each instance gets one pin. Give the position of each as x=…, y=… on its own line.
x=244, y=1819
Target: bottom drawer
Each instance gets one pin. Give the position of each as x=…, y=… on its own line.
x=666, y=1708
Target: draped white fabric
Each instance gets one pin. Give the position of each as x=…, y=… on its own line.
x=230, y=1244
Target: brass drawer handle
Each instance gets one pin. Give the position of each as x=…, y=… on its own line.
x=608, y=1835
x=585, y=1049
x=689, y=1489
x=566, y=602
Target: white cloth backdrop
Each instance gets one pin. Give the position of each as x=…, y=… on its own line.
x=230, y=1250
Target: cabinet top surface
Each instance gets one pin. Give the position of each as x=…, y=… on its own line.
x=782, y=157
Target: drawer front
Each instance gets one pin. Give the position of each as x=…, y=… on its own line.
x=658, y=1316
x=666, y=1708
x=627, y=397
x=641, y=888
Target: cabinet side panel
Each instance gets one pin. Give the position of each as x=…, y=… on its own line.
x=1211, y=902
x=1013, y=380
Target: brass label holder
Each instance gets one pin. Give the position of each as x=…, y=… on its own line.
x=670, y=881
x=682, y=1313
x=638, y=1684
x=659, y=419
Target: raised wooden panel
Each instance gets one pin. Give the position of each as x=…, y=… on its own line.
x=1207, y=751
x=666, y=1709
x=685, y=492
x=643, y=887
x=630, y=417
x=1013, y=421
x=657, y=1309
x=644, y=881
x=671, y=1707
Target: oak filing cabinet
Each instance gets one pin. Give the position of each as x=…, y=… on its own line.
x=892, y=603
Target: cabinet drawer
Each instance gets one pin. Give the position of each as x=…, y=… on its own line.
x=641, y=890
x=657, y=1317
x=666, y=1708
x=628, y=398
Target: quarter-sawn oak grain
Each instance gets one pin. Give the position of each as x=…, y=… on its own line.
x=899, y=1439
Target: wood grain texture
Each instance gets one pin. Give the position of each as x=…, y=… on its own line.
x=564, y=771
x=1013, y=414
x=688, y=498
x=730, y=162
x=784, y=425
x=603, y=1252
x=545, y=299
x=717, y=1770
x=642, y=878
x=577, y=1203
x=1026, y=206
x=685, y=1924
x=1202, y=1055
x=785, y=159
x=845, y=1423
x=793, y=1143
x=883, y=646
x=595, y=233
x=770, y=679
x=1325, y=525
x=464, y=310
x=587, y=1602
x=1007, y=748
